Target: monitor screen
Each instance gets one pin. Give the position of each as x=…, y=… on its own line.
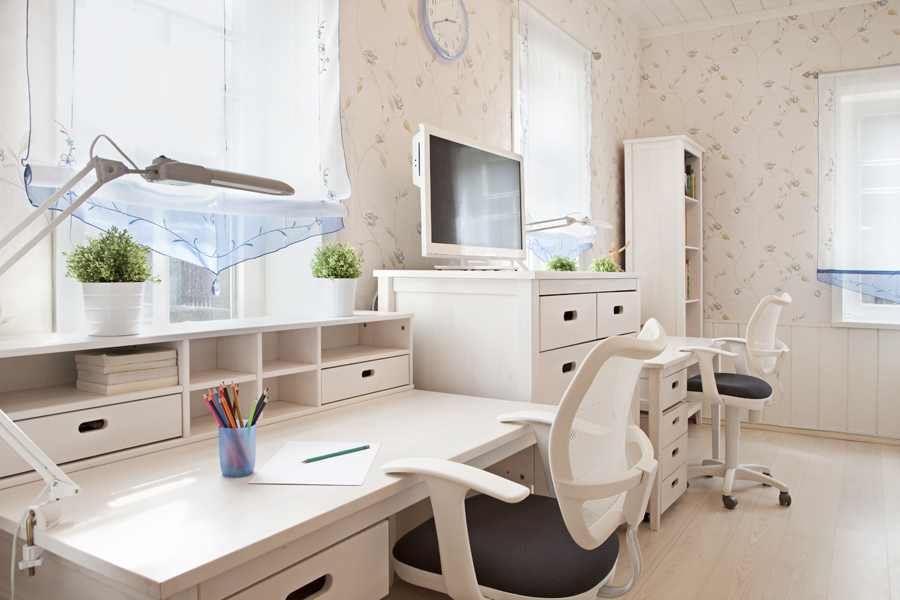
x=476, y=198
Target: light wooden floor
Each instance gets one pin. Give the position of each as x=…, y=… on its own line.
x=839, y=540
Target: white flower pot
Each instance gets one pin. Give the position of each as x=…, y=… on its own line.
x=341, y=297
x=113, y=308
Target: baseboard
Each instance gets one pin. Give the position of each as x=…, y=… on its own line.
x=822, y=433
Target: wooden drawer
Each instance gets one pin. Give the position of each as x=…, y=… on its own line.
x=349, y=381
x=673, y=390
x=555, y=370
x=71, y=436
x=617, y=313
x=568, y=320
x=673, y=456
x=673, y=423
x=354, y=568
x=672, y=487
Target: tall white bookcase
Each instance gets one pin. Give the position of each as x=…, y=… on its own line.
x=664, y=223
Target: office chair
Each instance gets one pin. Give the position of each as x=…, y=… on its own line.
x=756, y=358
x=509, y=545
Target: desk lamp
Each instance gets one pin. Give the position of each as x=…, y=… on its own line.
x=163, y=170
x=560, y=222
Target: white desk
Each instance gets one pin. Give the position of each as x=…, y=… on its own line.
x=664, y=415
x=168, y=525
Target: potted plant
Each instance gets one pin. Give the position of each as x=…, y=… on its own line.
x=558, y=262
x=112, y=269
x=342, y=267
x=604, y=264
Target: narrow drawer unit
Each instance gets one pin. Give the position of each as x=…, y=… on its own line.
x=80, y=434
x=672, y=390
x=355, y=568
x=349, y=381
x=617, y=313
x=673, y=456
x=672, y=487
x=673, y=423
x=567, y=320
x=555, y=370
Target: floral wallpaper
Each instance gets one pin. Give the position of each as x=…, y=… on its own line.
x=740, y=92
x=392, y=80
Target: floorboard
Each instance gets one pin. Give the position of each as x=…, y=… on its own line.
x=840, y=539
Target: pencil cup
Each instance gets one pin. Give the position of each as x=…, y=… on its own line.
x=237, y=451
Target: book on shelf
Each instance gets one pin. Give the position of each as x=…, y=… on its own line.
x=128, y=376
x=687, y=280
x=144, y=366
x=125, y=356
x=124, y=388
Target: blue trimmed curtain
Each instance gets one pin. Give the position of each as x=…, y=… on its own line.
x=554, y=132
x=228, y=84
x=859, y=181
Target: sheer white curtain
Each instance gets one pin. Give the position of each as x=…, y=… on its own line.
x=554, y=130
x=859, y=187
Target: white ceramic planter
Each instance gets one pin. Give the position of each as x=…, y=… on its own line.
x=341, y=297
x=113, y=308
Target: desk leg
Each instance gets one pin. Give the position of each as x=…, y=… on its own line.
x=654, y=418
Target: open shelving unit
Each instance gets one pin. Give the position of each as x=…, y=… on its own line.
x=364, y=356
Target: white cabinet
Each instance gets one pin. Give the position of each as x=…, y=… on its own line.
x=511, y=335
x=664, y=222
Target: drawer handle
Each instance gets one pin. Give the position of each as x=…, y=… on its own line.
x=618, y=310
x=675, y=421
x=675, y=384
x=570, y=315
x=312, y=589
x=675, y=452
x=92, y=426
x=675, y=482
x=568, y=367
x=368, y=372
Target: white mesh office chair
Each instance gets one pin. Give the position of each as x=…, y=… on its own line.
x=756, y=358
x=509, y=545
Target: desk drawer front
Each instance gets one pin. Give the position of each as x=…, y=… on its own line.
x=83, y=433
x=555, y=370
x=673, y=456
x=617, y=313
x=673, y=424
x=673, y=389
x=568, y=320
x=349, y=381
x=672, y=487
x=354, y=568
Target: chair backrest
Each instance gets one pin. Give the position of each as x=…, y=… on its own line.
x=761, y=332
x=588, y=438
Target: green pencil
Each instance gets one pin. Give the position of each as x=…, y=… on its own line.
x=333, y=454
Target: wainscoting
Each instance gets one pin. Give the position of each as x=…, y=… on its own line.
x=835, y=379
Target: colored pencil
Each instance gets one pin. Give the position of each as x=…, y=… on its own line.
x=213, y=411
x=237, y=404
x=226, y=410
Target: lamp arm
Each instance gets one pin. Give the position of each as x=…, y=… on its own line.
x=58, y=483
x=566, y=221
x=107, y=170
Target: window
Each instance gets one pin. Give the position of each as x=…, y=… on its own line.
x=222, y=83
x=860, y=193
x=553, y=132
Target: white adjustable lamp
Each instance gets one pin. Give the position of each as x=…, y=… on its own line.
x=163, y=170
x=560, y=222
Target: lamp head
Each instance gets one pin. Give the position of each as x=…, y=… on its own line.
x=167, y=170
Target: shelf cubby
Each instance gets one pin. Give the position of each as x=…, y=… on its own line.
x=353, y=343
x=223, y=359
x=289, y=352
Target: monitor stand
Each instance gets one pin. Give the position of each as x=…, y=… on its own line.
x=480, y=265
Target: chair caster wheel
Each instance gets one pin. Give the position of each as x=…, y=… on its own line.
x=731, y=502
x=784, y=498
x=767, y=475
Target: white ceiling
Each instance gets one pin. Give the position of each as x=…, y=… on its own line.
x=652, y=18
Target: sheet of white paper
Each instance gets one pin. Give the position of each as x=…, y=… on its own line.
x=287, y=466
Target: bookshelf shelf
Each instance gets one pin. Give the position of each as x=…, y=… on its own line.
x=211, y=378
x=691, y=248
x=346, y=355
x=690, y=201
x=277, y=368
x=40, y=402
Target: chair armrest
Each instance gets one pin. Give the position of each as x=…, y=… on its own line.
x=707, y=350
x=448, y=482
x=707, y=372
x=462, y=475
x=540, y=423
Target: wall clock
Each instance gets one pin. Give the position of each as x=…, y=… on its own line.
x=447, y=26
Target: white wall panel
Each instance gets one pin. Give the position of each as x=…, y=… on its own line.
x=833, y=378
x=780, y=412
x=805, y=376
x=889, y=382
x=862, y=380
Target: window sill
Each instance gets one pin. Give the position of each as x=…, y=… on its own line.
x=865, y=325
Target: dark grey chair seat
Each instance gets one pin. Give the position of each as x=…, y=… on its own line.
x=522, y=548
x=735, y=385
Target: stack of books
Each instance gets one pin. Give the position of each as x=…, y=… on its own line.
x=123, y=370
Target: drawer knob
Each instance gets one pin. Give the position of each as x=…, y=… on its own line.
x=675, y=384
x=675, y=420
x=368, y=372
x=568, y=367
x=618, y=310
x=675, y=482
x=92, y=425
x=675, y=452
x=570, y=315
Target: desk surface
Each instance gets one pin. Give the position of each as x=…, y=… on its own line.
x=164, y=522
